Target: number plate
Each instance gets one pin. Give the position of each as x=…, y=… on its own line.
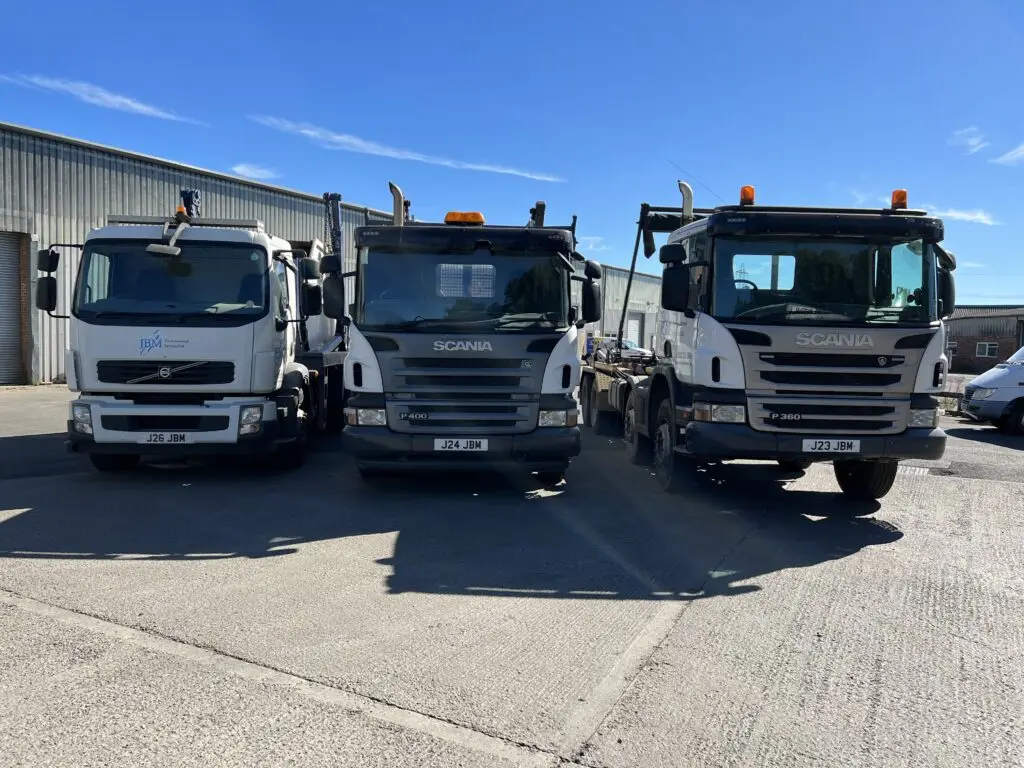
x=462, y=444
x=831, y=446
x=166, y=438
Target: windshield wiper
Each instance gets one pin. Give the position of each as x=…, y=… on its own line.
x=525, y=317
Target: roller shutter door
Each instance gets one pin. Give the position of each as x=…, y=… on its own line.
x=11, y=371
x=634, y=327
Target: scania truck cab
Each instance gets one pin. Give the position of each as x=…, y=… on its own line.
x=463, y=347
x=192, y=336
x=797, y=335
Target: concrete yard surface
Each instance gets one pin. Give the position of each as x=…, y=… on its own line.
x=236, y=615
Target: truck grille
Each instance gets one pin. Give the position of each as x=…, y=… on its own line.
x=462, y=413
x=836, y=414
x=165, y=372
x=797, y=389
x=157, y=423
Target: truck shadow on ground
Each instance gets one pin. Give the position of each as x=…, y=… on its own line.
x=598, y=536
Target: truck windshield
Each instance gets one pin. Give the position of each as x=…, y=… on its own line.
x=506, y=291
x=824, y=281
x=209, y=282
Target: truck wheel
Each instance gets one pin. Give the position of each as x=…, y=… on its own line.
x=1013, y=423
x=639, y=450
x=865, y=480
x=666, y=463
x=293, y=455
x=114, y=462
x=588, y=414
x=793, y=465
x=605, y=422
x=335, y=400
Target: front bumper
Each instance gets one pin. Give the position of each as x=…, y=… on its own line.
x=209, y=429
x=986, y=410
x=548, y=448
x=740, y=441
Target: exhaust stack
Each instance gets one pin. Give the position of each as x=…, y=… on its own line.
x=398, y=211
x=687, y=192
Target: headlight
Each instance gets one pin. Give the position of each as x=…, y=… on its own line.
x=250, y=419
x=722, y=414
x=81, y=415
x=556, y=419
x=366, y=417
x=981, y=393
x=923, y=417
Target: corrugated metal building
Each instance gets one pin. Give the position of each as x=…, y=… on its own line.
x=981, y=336
x=642, y=313
x=54, y=189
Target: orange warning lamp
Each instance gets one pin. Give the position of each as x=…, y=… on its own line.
x=747, y=195
x=464, y=217
x=899, y=198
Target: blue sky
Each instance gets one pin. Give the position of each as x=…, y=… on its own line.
x=593, y=106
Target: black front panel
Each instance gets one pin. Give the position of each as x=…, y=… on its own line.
x=170, y=372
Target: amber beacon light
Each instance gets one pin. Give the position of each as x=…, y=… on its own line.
x=746, y=195
x=899, y=198
x=464, y=217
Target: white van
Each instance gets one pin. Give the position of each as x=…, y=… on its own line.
x=997, y=396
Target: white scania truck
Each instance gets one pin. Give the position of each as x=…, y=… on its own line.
x=463, y=347
x=791, y=334
x=192, y=336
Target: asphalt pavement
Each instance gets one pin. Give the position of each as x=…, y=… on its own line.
x=235, y=615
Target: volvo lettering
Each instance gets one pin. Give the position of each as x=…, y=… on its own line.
x=790, y=334
x=463, y=343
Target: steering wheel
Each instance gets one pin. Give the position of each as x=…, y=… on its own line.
x=753, y=285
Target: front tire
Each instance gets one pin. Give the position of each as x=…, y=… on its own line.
x=639, y=449
x=293, y=455
x=1013, y=423
x=666, y=463
x=865, y=480
x=114, y=462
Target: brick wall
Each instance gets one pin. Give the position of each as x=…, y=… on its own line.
x=965, y=359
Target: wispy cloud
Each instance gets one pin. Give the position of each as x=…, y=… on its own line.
x=969, y=265
x=1012, y=157
x=592, y=244
x=94, y=95
x=859, y=197
x=970, y=139
x=331, y=140
x=258, y=172
x=976, y=216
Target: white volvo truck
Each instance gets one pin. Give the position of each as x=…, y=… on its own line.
x=463, y=347
x=791, y=334
x=192, y=336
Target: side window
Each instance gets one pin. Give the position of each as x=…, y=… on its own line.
x=279, y=290
x=697, y=248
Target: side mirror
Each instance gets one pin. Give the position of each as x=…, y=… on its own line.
x=312, y=299
x=592, y=270
x=672, y=253
x=333, y=297
x=47, y=260
x=947, y=294
x=309, y=269
x=675, y=288
x=330, y=264
x=591, y=302
x=46, y=293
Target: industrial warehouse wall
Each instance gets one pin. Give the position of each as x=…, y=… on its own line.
x=644, y=300
x=56, y=190
x=966, y=333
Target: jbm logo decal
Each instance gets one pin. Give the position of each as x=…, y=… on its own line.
x=149, y=343
x=462, y=346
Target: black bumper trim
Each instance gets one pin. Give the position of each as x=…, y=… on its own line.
x=739, y=441
x=541, y=449
x=261, y=444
